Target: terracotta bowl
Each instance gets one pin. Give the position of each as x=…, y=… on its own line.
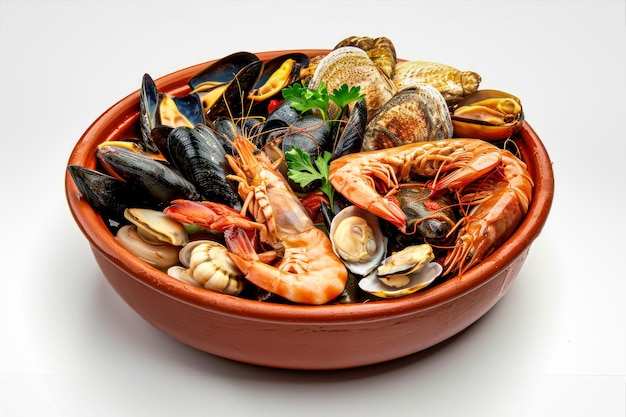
x=291, y=336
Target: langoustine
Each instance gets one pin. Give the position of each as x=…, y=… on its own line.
x=491, y=181
x=308, y=272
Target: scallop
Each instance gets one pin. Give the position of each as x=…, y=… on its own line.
x=358, y=240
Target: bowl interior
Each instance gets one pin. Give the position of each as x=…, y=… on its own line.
x=121, y=121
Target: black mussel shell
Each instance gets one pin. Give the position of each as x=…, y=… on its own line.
x=200, y=156
x=223, y=70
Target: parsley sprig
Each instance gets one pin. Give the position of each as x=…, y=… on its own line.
x=303, y=171
x=306, y=99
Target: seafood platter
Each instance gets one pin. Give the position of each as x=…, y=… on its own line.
x=311, y=209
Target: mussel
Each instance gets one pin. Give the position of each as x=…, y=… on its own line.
x=488, y=115
x=200, y=156
x=157, y=179
x=349, y=133
x=148, y=104
x=179, y=111
x=107, y=195
x=223, y=86
x=430, y=218
x=277, y=74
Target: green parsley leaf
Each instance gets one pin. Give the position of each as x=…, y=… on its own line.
x=304, y=99
x=345, y=95
x=302, y=171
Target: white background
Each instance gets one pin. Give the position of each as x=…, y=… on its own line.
x=554, y=345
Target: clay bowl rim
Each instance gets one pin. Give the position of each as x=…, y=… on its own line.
x=115, y=120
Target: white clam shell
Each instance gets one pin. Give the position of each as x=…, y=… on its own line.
x=360, y=268
x=154, y=226
x=417, y=280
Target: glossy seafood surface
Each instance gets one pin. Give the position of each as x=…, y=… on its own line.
x=303, y=337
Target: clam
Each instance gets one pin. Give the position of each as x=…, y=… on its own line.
x=488, y=115
x=351, y=65
x=160, y=255
x=206, y=264
x=380, y=50
x=155, y=226
x=451, y=82
x=357, y=239
x=415, y=114
x=402, y=273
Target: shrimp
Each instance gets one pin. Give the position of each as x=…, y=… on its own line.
x=309, y=271
x=501, y=201
x=360, y=176
x=492, y=181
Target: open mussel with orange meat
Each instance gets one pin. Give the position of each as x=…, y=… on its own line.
x=488, y=114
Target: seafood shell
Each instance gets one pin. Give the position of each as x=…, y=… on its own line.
x=404, y=272
x=207, y=265
x=406, y=261
x=351, y=65
x=415, y=114
x=417, y=281
x=155, y=226
x=277, y=74
x=160, y=255
x=488, y=115
x=430, y=216
x=452, y=83
x=380, y=50
x=357, y=239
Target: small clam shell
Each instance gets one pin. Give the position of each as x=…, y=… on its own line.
x=156, y=226
x=451, y=82
x=415, y=114
x=351, y=65
x=357, y=239
x=416, y=281
x=160, y=255
x=406, y=261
